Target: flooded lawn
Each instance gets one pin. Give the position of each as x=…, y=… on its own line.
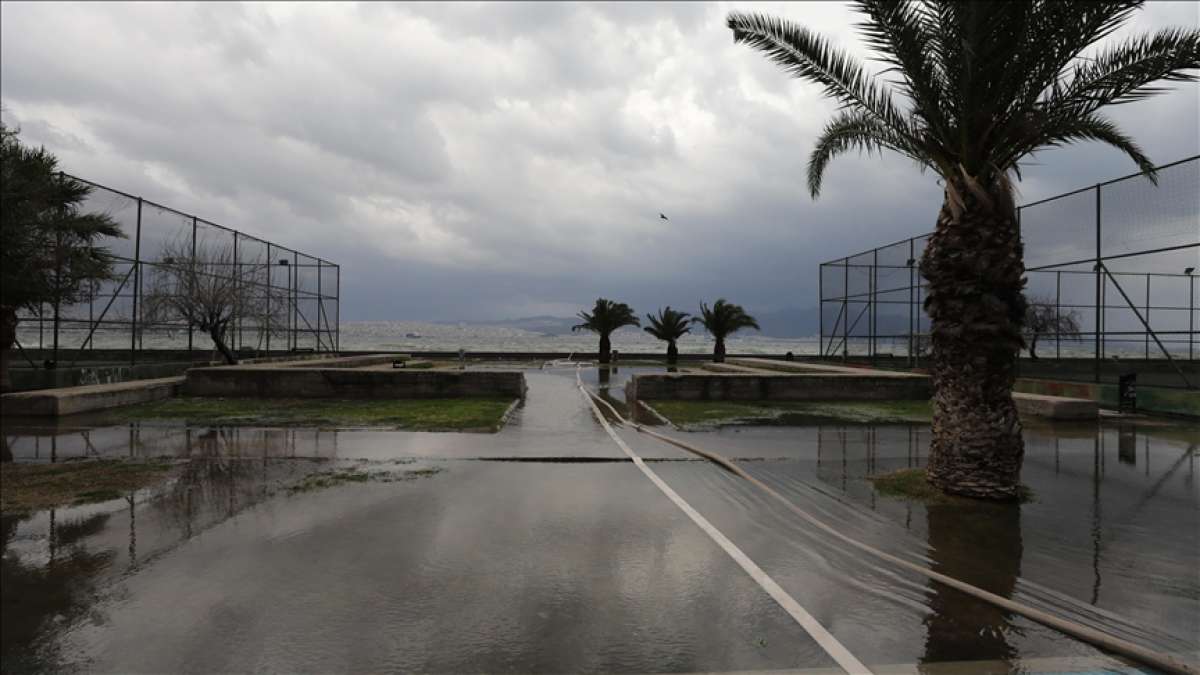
x=294, y=549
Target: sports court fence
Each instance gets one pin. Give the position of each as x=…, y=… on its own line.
x=297, y=294
x=1120, y=258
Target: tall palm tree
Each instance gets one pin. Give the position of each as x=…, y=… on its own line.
x=722, y=320
x=984, y=84
x=669, y=326
x=604, y=318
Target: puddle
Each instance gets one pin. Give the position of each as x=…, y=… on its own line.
x=557, y=554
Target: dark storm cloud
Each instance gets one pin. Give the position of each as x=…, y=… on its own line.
x=489, y=160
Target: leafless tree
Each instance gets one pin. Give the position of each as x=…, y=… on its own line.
x=1042, y=317
x=211, y=290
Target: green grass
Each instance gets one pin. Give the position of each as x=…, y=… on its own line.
x=912, y=484
x=32, y=487
x=326, y=479
x=447, y=414
x=717, y=413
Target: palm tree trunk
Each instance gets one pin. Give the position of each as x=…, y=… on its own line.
x=605, y=349
x=719, y=351
x=672, y=353
x=8, y=338
x=975, y=273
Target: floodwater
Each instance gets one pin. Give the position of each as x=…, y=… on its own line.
x=564, y=557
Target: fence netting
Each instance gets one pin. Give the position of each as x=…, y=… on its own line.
x=295, y=296
x=1115, y=264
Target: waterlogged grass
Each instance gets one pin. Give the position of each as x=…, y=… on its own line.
x=32, y=487
x=912, y=484
x=719, y=413
x=445, y=414
x=327, y=479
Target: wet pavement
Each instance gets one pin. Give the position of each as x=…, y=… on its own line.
x=541, y=549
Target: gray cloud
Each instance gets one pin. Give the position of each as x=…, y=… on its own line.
x=488, y=160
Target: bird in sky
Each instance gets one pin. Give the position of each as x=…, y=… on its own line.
x=663, y=217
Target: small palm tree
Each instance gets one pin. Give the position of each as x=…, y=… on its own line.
x=987, y=84
x=669, y=326
x=722, y=320
x=606, y=317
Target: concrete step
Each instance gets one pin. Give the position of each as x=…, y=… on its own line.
x=1056, y=407
x=730, y=368
x=88, y=398
x=804, y=367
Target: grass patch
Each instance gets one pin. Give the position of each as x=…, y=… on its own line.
x=327, y=479
x=912, y=484
x=445, y=414
x=719, y=413
x=32, y=487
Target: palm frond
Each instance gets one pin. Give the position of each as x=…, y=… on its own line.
x=1072, y=129
x=854, y=130
x=806, y=55
x=724, y=318
x=1127, y=71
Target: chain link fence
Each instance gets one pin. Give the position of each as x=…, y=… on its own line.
x=1114, y=267
x=296, y=295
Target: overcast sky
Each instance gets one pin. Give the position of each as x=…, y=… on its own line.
x=466, y=161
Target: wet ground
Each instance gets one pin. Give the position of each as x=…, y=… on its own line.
x=541, y=549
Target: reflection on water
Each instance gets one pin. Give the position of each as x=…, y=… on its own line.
x=473, y=570
x=56, y=565
x=960, y=627
x=1113, y=529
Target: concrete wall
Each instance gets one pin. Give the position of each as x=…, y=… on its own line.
x=738, y=387
x=341, y=383
x=73, y=400
x=1149, y=399
x=30, y=379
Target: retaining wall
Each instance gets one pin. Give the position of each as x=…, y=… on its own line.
x=343, y=383
x=807, y=387
x=1149, y=399
x=72, y=400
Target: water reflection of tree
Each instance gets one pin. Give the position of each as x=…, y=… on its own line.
x=42, y=594
x=981, y=545
x=46, y=595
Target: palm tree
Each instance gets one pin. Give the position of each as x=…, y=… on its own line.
x=722, y=320
x=606, y=317
x=52, y=250
x=986, y=84
x=669, y=325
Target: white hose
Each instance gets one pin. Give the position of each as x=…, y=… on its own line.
x=1112, y=643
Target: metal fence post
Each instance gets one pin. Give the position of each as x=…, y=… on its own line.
x=821, y=309
x=1057, y=314
x=1099, y=280
x=873, y=282
x=137, y=284
x=237, y=289
x=1147, y=315
x=269, y=287
x=320, y=306
x=192, y=265
x=337, y=312
x=1191, y=316
x=846, y=307
x=912, y=264
x=295, y=300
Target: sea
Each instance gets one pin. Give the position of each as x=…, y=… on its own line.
x=414, y=336
x=418, y=336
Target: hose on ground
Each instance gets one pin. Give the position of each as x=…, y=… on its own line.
x=1111, y=643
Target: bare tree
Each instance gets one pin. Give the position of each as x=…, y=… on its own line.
x=210, y=290
x=1043, y=317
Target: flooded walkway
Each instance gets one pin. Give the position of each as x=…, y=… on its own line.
x=541, y=549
